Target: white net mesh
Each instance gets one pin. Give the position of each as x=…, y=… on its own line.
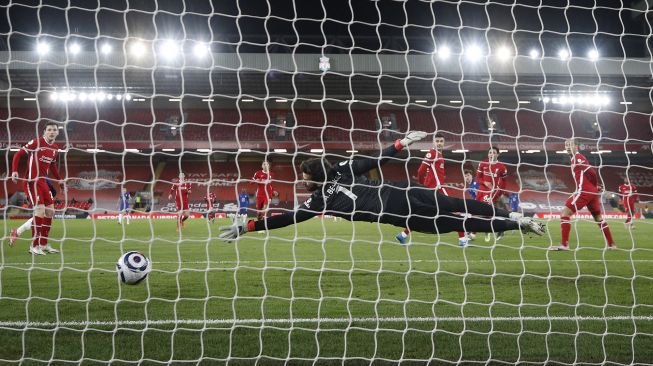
x=143, y=92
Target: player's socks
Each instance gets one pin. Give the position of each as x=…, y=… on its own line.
x=184, y=218
x=406, y=232
x=37, y=231
x=119, y=218
x=606, y=233
x=461, y=234
x=45, y=233
x=46, y=222
x=565, y=228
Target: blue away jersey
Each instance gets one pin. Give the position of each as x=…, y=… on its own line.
x=472, y=189
x=124, y=201
x=243, y=200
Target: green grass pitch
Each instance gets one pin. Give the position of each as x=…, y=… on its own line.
x=339, y=291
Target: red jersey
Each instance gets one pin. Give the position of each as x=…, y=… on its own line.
x=181, y=191
x=584, y=174
x=493, y=173
x=210, y=199
x=264, y=183
x=628, y=191
x=431, y=172
x=41, y=157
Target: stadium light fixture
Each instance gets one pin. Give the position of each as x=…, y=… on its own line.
x=421, y=101
x=564, y=54
x=473, y=53
x=118, y=96
x=280, y=150
x=534, y=54
x=83, y=97
x=132, y=150
x=523, y=102
x=459, y=151
x=101, y=96
x=29, y=99
x=95, y=150
x=316, y=100
x=139, y=99
x=354, y=151
x=599, y=152
x=281, y=100
x=593, y=55
x=42, y=48
x=15, y=149
x=109, y=96
x=128, y=97
x=501, y=151
x=317, y=150
x=386, y=101
x=54, y=96
x=244, y=150
x=75, y=48
x=561, y=151
x=137, y=49
x=532, y=151
x=625, y=103
x=546, y=100
x=455, y=101
x=207, y=100
x=105, y=49
x=504, y=53
x=169, y=49
x=203, y=150
x=200, y=50
x=444, y=52
x=174, y=100
x=631, y=152
x=168, y=150
x=493, y=102
x=247, y=100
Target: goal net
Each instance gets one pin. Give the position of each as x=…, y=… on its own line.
x=142, y=92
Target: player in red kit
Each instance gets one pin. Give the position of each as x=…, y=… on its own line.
x=491, y=177
x=181, y=190
x=42, y=153
x=431, y=175
x=629, y=196
x=210, y=201
x=264, y=191
x=587, y=194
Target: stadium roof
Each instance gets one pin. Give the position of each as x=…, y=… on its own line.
x=368, y=78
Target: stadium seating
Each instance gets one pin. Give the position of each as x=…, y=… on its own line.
x=333, y=125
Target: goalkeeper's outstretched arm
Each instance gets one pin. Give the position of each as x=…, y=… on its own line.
x=315, y=175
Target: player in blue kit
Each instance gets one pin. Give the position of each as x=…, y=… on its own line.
x=123, y=204
x=243, y=203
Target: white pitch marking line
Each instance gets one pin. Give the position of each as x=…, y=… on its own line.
x=24, y=324
x=36, y=263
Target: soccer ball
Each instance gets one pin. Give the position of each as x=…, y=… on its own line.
x=132, y=268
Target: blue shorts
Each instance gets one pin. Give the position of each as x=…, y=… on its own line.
x=243, y=211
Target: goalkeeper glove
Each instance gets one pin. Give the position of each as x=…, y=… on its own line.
x=233, y=231
x=412, y=137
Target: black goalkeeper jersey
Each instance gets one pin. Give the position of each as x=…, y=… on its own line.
x=347, y=194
